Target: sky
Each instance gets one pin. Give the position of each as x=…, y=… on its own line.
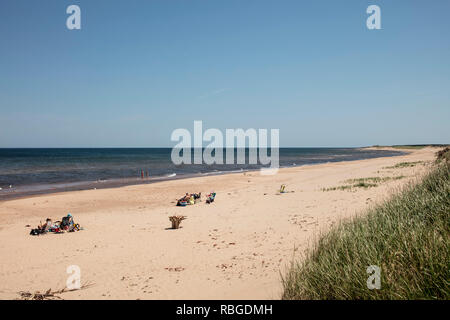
x=139, y=69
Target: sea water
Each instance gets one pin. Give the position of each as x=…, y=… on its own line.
x=34, y=171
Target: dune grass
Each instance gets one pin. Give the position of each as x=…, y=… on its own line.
x=350, y=187
x=405, y=165
x=407, y=237
x=365, y=183
x=373, y=179
x=443, y=155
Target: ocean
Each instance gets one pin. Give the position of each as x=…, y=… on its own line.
x=36, y=171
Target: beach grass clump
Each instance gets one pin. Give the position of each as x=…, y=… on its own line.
x=373, y=180
x=365, y=183
x=443, y=155
x=401, y=165
x=337, y=188
x=360, y=184
x=407, y=237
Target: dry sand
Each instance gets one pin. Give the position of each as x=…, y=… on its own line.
x=235, y=248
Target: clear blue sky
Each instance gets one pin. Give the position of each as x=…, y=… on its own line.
x=137, y=70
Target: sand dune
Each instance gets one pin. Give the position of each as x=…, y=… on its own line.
x=234, y=248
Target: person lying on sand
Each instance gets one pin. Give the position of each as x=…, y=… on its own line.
x=42, y=228
x=46, y=226
x=66, y=224
x=189, y=198
x=183, y=199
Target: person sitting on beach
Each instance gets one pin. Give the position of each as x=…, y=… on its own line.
x=42, y=228
x=189, y=198
x=210, y=197
x=196, y=195
x=46, y=226
x=67, y=222
x=186, y=197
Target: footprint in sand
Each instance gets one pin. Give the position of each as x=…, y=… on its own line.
x=176, y=269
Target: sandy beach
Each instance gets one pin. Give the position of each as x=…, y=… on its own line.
x=235, y=248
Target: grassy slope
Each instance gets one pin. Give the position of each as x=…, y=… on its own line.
x=408, y=237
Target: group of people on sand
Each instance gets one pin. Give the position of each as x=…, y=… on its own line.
x=65, y=224
x=189, y=199
x=193, y=198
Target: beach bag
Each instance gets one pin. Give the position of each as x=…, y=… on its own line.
x=66, y=222
x=36, y=232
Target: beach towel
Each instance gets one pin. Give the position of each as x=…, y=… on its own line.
x=182, y=203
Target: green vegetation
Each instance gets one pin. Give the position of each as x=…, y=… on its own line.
x=362, y=183
x=374, y=179
x=408, y=237
x=337, y=188
x=443, y=155
x=405, y=165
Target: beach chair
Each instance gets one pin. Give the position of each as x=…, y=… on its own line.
x=210, y=198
